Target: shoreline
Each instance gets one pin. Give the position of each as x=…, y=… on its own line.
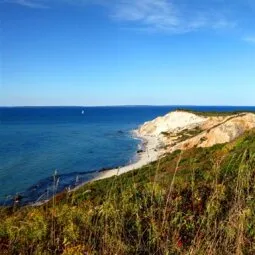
x=151, y=152
x=150, y=146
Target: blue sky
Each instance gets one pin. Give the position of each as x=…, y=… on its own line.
x=119, y=52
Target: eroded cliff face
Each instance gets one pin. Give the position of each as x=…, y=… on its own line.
x=171, y=122
x=184, y=130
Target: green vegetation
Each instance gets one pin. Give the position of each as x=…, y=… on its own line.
x=168, y=134
x=200, y=201
x=183, y=135
x=188, y=133
x=214, y=114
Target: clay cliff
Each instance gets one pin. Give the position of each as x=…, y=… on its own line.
x=184, y=130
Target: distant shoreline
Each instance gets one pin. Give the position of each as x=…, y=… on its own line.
x=129, y=106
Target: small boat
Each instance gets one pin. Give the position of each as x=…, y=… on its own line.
x=82, y=112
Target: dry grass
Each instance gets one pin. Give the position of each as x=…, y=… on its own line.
x=200, y=201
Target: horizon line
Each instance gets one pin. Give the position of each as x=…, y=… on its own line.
x=126, y=105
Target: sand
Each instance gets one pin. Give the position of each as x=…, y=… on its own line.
x=149, y=134
x=214, y=130
x=219, y=130
x=151, y=152
x=171, y=122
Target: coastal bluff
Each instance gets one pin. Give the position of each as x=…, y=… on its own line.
x=180, y=129
x=183, y=130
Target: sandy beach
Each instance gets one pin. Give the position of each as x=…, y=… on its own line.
x=151, y=151
x=216, y=130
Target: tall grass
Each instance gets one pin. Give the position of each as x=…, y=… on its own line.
x=196, y=202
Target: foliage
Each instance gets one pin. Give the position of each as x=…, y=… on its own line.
x=200, y=201
x=214, y=113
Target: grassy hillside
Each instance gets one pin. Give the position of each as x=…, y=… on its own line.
x=201, y=201
x=215, y=113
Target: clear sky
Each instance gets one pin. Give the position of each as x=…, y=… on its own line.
x=119, y=52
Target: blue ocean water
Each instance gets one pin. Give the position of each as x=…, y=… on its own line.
x=37, y=141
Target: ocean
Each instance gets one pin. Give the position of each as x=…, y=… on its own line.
x=71, y=143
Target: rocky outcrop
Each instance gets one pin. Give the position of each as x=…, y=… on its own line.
x=184, y=130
